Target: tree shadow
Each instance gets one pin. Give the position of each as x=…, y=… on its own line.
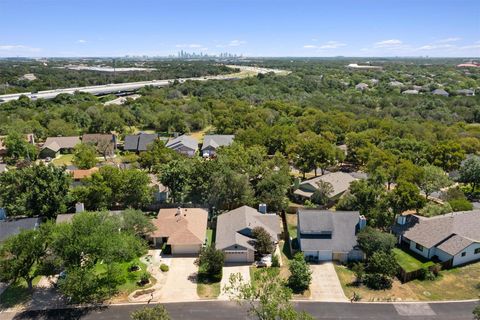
x=58, y=314
x=193, y=277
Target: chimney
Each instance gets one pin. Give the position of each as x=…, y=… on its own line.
x=262, y=208
x=79, y=207
x=362, y=222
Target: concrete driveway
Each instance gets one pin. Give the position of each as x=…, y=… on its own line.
x=228, y=270
x=181, y=282
x=325, y=285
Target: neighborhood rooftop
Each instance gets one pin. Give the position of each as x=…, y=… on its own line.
x=58, y=143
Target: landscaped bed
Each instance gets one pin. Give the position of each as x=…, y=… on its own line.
x=455, y=284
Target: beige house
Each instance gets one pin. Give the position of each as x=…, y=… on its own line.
x=183, y=229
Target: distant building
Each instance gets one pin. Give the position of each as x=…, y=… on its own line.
x=139, y=142
x=212, y=142
x=469, y=65
x=340, y=182
x=465, y=92
x=410, y=92
x=105, y=143
x=183, y=144
x=363, y=67
x=361, y=86
x=395, y=84
x=440, y=92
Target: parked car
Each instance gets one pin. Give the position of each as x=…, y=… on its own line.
x=260, y=264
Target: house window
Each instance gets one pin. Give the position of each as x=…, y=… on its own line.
x=463, y=254
x=418, y=247
x=477, y=251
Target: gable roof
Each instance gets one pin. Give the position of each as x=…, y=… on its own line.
x=9, y=228
x=182, y=141
x=340, y=182
x=217, y=140
x=449, y=231
x=139, y=142
x=57, y=143
x=440, y=92
x=313, y=224
x=182, y=226
x=231, y=227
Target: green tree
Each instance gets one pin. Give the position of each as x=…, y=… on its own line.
x=263, y=241
x=359, y=271
x=470, y=172
x=382, y=263
x=211, y=260
x=157, y=312
x=19, y=148
x=372, y=240
x=448, y=155
x=433, y=179
x=322, y=194
x=37, y=190
x=476, y=313
x=136, y=222
x=300, y=273
x=267, y=299
x=157, y=154
x=176, y=176
x=85, y=156
x=406, y=196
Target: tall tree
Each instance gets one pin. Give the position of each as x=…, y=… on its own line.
x=470, y=172
x=85, y=156
x=433, y=179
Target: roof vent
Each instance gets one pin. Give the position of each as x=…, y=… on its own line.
x=179, y=211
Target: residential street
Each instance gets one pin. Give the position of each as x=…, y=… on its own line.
x=228, y=310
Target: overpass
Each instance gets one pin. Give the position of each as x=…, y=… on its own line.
x=116, y=88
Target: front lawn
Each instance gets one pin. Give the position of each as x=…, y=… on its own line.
x=16, y=293
x=209, y=237
x=208, y=287
x=456, y=284
x=408, y=262
x=63, y=160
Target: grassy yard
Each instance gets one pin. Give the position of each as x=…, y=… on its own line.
x=208, y=287
x=408, y=262
x=292, y=225
x=63, y=160
x=200, y=134
x=455, y=284
x=209, y=237
x=15, y=294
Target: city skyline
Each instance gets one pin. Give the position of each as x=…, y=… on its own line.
x=248, y=28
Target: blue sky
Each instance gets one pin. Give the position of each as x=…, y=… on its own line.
x=253, y=28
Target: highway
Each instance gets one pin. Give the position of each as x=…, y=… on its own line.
x=211, y=310
x=129, y=86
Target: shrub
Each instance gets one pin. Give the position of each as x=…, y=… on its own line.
x=435, y=269
x=377, y=281
x=275, y=261
x=461, y=205
x=164, y=267
x=433, y=209
x=356, y=297
x=359, y=270
x=211, y=261
x=300, y=274
x=422, y=273
x=430, y=276
x=144, y=279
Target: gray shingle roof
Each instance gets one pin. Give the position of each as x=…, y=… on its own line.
x=440, y=230
x=233, y=227
x=57, y=143
x=12, y=227
x=340, y=182
x=313, y=223
x=217, y=140
x=182, y=141
x=139, y=142
x=440, y=92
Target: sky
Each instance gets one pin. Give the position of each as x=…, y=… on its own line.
x=386, y=28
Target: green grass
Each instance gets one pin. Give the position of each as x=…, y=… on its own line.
x=208, y=287
x=408, y=262
x=63, y=160
x=209, y=237
x=16, y=293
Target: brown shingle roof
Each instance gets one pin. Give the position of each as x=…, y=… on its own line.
x=57, y=143
x=182, y=226
x=83, y=173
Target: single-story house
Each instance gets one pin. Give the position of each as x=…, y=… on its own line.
x=212, y=142
x=55, y=145
x=12, y=227
x=451, y=237
x=183, y=144
x=183, y=229
x=395, y=83
x=465, y=92
x=410, y=91
x=105, y=143
x=340, y=182
x=234, y=232
x=139, y=142
x=440, y=92
x=329, y=235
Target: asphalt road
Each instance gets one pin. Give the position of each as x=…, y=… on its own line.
x=211, y=310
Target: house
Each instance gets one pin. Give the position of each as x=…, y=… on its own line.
x=465, y=92
x=105, y=143
x=361, y=86
x=329, y=235
x=412, y=91
x=440, y=92
x=139, y=142
x=452, y=237
x=340, y=182
x=183, y=144
x=184, y=230
x=12, y=227
x=79, y=175
x=212, y=142
x=30, y=138
x=234, y=232
x=53, y=146
x=160, y=192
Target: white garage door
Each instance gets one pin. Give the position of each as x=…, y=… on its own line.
x=325, y=255
x=236, y=256
x=185, y=249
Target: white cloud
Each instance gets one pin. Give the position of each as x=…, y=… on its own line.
x=436, y=46
x=232, y=43
x=81, y=41
x=191, y=45
x=332, y=45
x=20, y=48
x=392, y=43
x=451, y=39
x=476, y=45
x=310, y=46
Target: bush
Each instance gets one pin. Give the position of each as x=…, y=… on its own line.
x=422, y=273
x=377, y=281
x=300, y=273
x=164, y=267
x=144, y=279
x=275, y=261
x=430, y=276
x=358, y=269
x=461, y=205
x=435, y=269
x=432, y=209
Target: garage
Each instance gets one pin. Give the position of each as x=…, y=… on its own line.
x=325, y=255
x=236, y=256
x=186, y=249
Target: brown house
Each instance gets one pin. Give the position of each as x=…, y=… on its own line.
x=106, y=144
